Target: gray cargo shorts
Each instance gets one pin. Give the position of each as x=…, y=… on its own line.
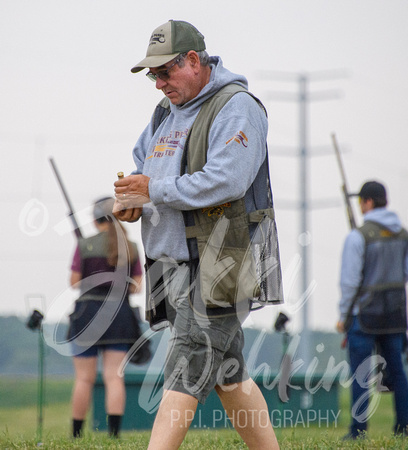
x=204, y=351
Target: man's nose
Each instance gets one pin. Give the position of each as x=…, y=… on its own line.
x=160, y=83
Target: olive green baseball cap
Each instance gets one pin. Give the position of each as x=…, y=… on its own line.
x=168, y=41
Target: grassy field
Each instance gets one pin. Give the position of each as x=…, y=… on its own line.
x=18, y=426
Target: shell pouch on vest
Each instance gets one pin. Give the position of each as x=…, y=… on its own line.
x=234, y=267
x=384, y=312
x=383, y=306
x=227, y=270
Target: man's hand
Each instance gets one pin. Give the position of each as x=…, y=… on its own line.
x=132, y=191
x=126, y=214
x=131, y=194
x=340, y=326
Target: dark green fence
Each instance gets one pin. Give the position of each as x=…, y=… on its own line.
x=312, y=401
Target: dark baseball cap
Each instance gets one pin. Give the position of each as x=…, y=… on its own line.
x=372, y=189
x=168, y=41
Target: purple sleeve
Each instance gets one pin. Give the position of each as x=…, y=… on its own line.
x=76, y=261
x=136, y=268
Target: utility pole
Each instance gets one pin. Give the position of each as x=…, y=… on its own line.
x=304, y=192
x=303, y=98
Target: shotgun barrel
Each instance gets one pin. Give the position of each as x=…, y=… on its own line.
x=77, y=229
x=346, y=194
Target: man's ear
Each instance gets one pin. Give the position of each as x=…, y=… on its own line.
x=193, y=58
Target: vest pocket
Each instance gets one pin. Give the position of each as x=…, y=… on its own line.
x=227, y=272
x=384, y=312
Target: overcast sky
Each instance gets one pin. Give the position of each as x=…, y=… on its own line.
x=66, y=92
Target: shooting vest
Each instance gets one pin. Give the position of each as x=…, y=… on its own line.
x=94, y=253
x=238, y=251
x=382, y=298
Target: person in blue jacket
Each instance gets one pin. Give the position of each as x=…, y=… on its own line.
x=374, y=271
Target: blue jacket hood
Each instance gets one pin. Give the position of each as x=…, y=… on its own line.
x=385, y=218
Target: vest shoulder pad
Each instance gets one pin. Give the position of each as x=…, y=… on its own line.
x=373, y=231
x=161, y=111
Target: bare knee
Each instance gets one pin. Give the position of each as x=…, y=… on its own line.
x=86, y=379
x=85, y=371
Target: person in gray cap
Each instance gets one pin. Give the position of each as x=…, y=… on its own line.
x=374, y=271
x=202, y=190
x=106, y=269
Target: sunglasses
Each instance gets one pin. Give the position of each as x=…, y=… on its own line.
x=164, y=74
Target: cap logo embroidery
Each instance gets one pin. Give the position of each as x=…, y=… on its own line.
x=160, y=38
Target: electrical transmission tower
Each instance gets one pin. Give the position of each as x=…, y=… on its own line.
x=303, y=98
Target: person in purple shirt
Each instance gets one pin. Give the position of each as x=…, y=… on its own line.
x=106, y=269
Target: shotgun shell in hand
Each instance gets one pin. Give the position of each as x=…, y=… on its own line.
x=120, y=175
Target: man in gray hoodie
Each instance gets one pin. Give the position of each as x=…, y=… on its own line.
x=374, y=271
x=184, y=182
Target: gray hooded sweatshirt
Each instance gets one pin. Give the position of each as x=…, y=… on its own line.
x=237, y=148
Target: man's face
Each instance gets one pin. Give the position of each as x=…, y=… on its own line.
x=181, y=83
x=366, y=204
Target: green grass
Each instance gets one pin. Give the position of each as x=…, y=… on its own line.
x=18, y=426
x=18, y=392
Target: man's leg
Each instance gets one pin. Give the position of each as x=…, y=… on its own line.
x=360, y=347
x=392, y=347
x=177, y=409
x=248, y=412
x=173, y=420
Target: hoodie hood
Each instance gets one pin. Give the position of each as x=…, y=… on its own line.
x=220, y=77
x=385, y=218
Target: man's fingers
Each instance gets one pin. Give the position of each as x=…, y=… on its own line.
x=120, y=212
x=131, y=215
x=126, y=214
x=125, y=181
x=340, y=326
x=131, y=199
x=117, y=207
x=136, y=213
